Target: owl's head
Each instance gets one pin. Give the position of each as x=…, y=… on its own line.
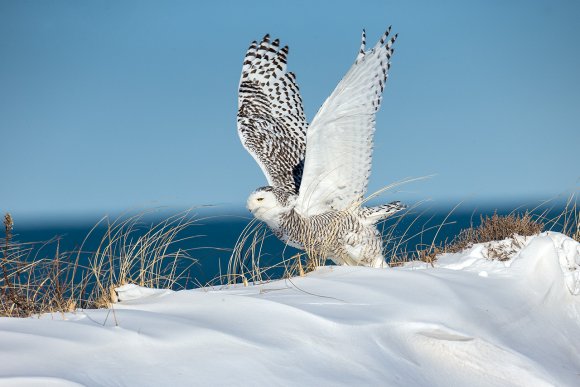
x=266, y=203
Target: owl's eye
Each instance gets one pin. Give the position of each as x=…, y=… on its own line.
x=260, y=199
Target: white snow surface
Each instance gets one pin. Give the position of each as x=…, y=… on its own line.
x=468, y=321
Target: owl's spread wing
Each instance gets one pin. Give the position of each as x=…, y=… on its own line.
x=271, y=122
x=340, y=137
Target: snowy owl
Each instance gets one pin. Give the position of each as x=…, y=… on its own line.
x=317, y=173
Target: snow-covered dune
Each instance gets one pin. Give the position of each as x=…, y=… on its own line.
x=467, y=321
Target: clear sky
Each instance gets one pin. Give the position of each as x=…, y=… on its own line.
x=108, y=105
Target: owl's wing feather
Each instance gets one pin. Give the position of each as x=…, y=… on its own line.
x=340, y=137
x=271, y=122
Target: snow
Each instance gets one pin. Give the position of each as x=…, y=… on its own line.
x=466, y=321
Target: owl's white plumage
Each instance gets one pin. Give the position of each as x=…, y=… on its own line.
x=318, y=174
x=340, y=137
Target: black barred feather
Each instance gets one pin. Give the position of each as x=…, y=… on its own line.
x=271, y=121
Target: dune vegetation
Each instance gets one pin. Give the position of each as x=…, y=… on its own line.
x=132, y=251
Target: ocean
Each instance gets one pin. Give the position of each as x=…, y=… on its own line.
x=212, y=235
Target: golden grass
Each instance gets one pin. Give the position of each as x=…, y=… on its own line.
x=568, y=221
x=246, y=263
x=130, y=251
x=496, y=228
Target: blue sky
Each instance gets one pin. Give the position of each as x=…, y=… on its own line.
x=109, y=105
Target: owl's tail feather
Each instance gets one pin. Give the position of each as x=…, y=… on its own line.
x=374, y=215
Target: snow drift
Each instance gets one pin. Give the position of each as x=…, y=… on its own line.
x=466, y=321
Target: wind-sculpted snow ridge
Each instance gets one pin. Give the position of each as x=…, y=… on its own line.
x=467, y=321
x=479, y=258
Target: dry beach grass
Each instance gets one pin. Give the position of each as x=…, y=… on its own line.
x=245, y=263
x=64, y=281
x=133, y=251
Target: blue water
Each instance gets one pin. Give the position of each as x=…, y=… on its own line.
x=213, y=238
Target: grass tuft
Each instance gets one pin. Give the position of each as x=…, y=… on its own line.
x=130, y=251
x=35, y=280
x=495, y=228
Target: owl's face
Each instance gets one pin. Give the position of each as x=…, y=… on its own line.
x=263, y=204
